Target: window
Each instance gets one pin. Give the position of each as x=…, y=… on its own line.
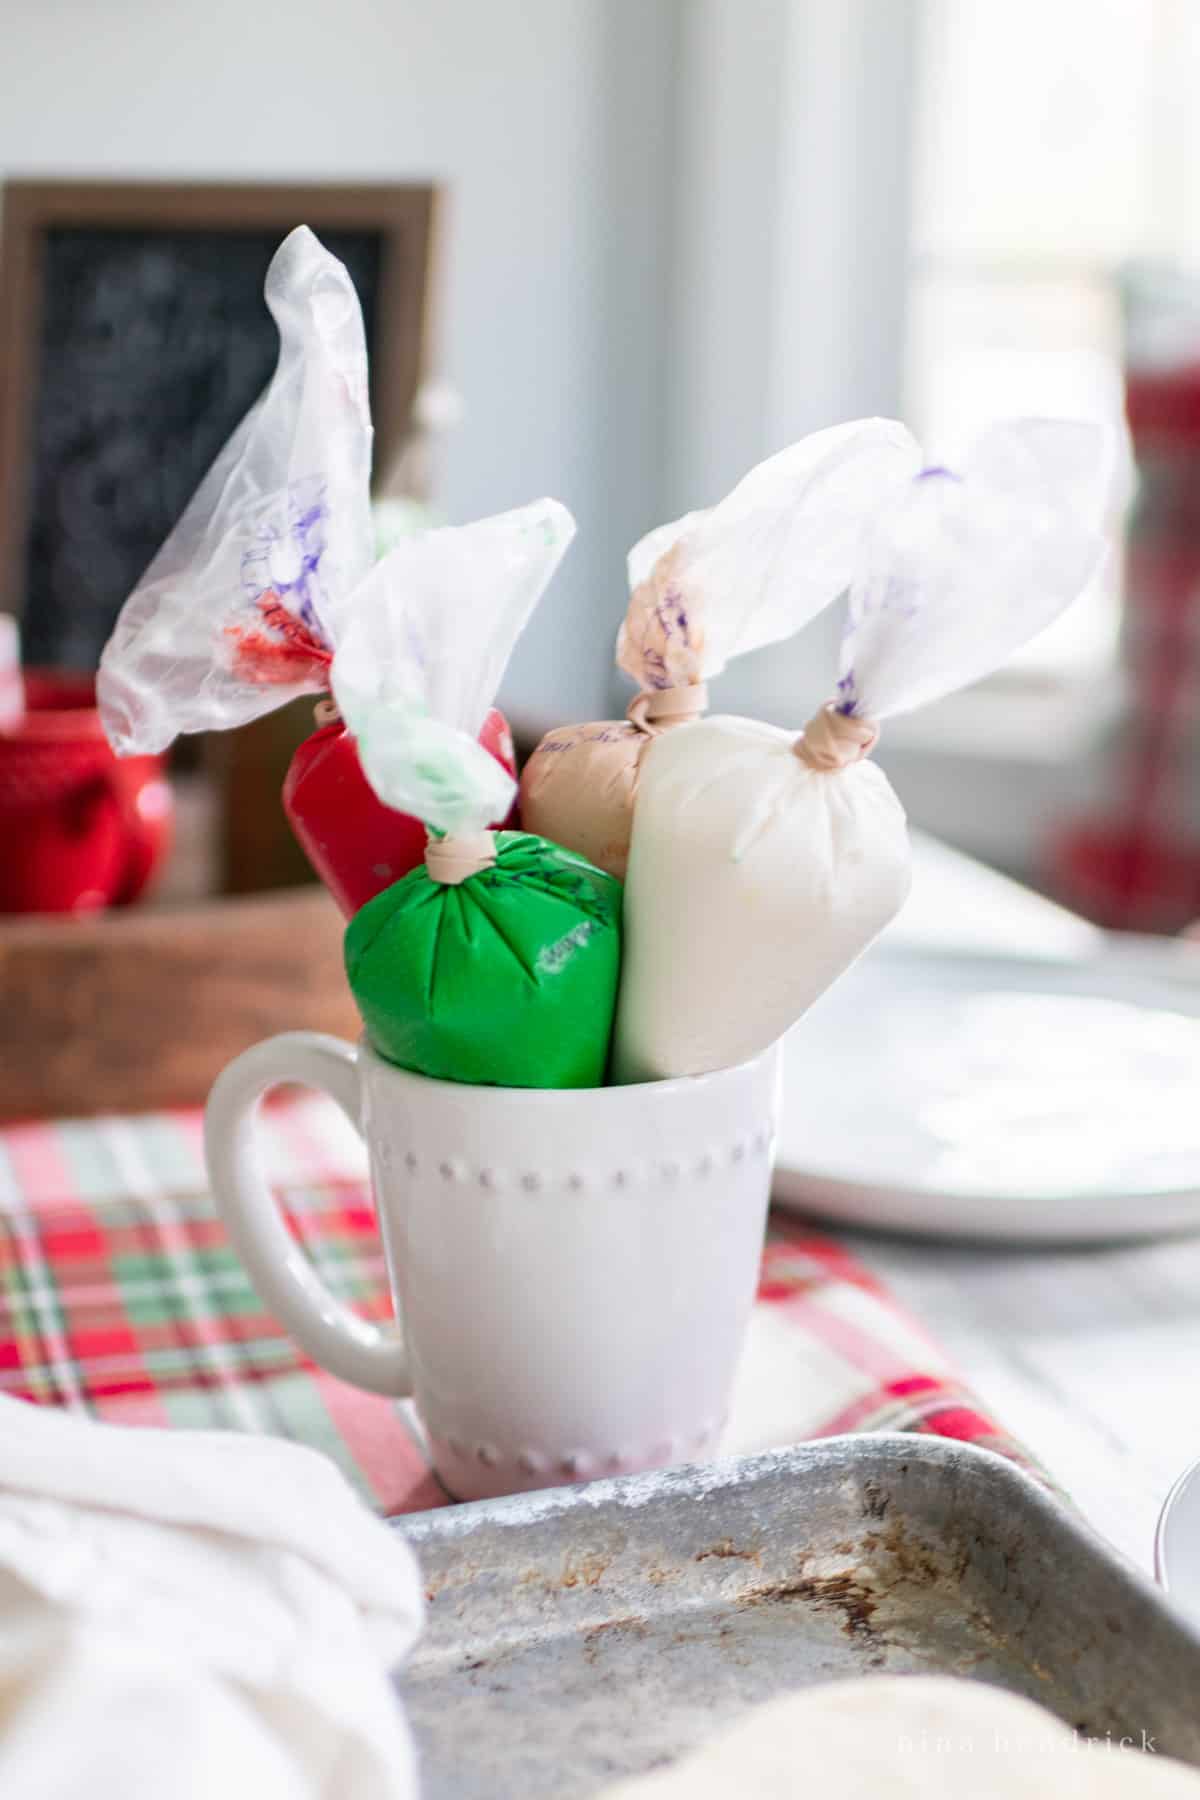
x=1056, y=141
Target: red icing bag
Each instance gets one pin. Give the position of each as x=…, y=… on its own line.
x=356, y=844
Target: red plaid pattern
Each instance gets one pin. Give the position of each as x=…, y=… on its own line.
x=121, y=1297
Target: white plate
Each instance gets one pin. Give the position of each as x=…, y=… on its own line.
x=1177, y=1544
x=987, y=1097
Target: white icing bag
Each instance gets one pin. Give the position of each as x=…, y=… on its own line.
x=707, y=588
x=762, y=863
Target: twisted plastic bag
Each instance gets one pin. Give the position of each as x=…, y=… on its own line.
x=245, y=605
x=759, y=565
x=240, y=610
x=432, y=629
x=959, y=570
x=705, y=589
x=497, y=960
x=762, y=864
x=508, y=978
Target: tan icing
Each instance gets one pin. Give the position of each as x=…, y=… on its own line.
x=577, y=789
x=579, y=786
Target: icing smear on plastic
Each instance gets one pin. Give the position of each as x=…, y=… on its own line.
x=760, y=564
x=704, y=589
x=960, y=569
x=241, y=608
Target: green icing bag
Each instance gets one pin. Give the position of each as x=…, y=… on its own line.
x=495, y=963
x=508, y=977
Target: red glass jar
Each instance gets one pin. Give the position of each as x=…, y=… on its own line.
x=81, y=827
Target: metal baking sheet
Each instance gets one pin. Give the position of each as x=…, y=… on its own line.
x=582, y=1634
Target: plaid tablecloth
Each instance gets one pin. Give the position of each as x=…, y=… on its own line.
x=121, y=1297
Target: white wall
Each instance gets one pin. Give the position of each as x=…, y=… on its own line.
x=790, y=266
x=676, y=236
x=550, y=121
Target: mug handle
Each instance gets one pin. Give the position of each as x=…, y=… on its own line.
x=371, y=1356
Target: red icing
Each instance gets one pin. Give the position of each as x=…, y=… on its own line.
x=357, y=845
x=285, y=653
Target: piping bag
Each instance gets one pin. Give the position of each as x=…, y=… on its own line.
x=705, y=589
x=763, y=863
x=356, y=844
x=496, y=960
x=244, y=605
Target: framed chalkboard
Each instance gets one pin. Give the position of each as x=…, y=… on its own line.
x=133, y=337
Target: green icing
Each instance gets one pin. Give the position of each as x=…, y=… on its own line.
x=508, y=979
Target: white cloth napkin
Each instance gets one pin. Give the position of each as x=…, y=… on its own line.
x=194, y=1614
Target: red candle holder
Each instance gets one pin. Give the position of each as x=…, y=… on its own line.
x=81, y=827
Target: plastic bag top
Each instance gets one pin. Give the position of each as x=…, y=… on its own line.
x=240, y=610
x=430, y=633
x=962, y=568
x=764, y=561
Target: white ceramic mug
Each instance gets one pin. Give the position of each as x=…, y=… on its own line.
x=573, y=1269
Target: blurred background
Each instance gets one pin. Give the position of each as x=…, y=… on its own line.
x=673, y=236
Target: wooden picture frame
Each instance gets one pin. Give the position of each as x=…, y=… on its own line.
x=84, y=1000
x=403, y=216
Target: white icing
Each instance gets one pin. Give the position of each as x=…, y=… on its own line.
x=753, y=882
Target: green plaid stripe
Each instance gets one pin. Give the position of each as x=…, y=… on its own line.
x=121, y=1296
